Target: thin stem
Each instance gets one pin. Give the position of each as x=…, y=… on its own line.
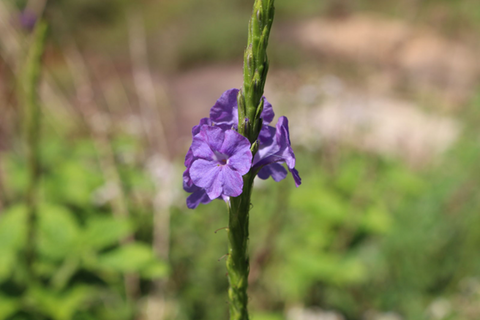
x=238, y=265
x=255, y=69
x=250, y=106
x=32, y=114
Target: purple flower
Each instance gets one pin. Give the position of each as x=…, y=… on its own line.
x=218, y=160
x=219, y=156
x=225, y=110
x=275, y=148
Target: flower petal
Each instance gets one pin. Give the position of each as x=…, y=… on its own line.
x=200, y=149
x=232, y=182
x=203, y=121
x=267, y=113
x=189, y=158
x=187, y=182
x=283, y=139
x=241, y=162
x=275, y=170
x=207, y=141
x=237, y=148
x=296, y=177
x=203, y=173
x=282, y=130
x=225, y=109
x=268, y=152
x=267, y=134
x=275, y=150
x=215, y=190
x=197, y=197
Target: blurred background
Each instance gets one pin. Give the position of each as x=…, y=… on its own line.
x=383, y=99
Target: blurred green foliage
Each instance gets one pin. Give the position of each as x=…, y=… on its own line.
x=83, y=249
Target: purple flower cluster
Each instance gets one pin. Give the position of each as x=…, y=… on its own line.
x=219, y=156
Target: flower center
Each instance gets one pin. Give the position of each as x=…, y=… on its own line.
x=221, y=158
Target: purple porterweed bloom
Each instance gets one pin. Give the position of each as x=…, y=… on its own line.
x=219, y=158
x=275, y=148
x=274, y=143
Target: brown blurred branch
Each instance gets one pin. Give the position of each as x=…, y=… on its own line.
x=162, y=170
x=99, y=125
x=36, y=6
x=144, y=84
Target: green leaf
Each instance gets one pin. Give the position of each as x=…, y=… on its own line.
x=320, y=202
x=132, y=257
x=16, y=176
x=12, y=237
x=351, y=175
x=58, y=231
x=72, y=182
x=266, y=316
x=8, y=306
x=102, y=232
x=377, y=220
x=304, y=266
x=45, y=268
x=60, y=306
x=7, y=262
x=155, y=270
x=13, y=229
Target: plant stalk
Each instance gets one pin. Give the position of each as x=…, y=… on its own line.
x=255, y=69
x=238, y=265
x=250, y=106
x=32, y=113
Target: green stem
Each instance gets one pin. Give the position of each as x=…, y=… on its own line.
x=255, y=69
x=238, y=262
x=29, y=84
x=250, y=106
